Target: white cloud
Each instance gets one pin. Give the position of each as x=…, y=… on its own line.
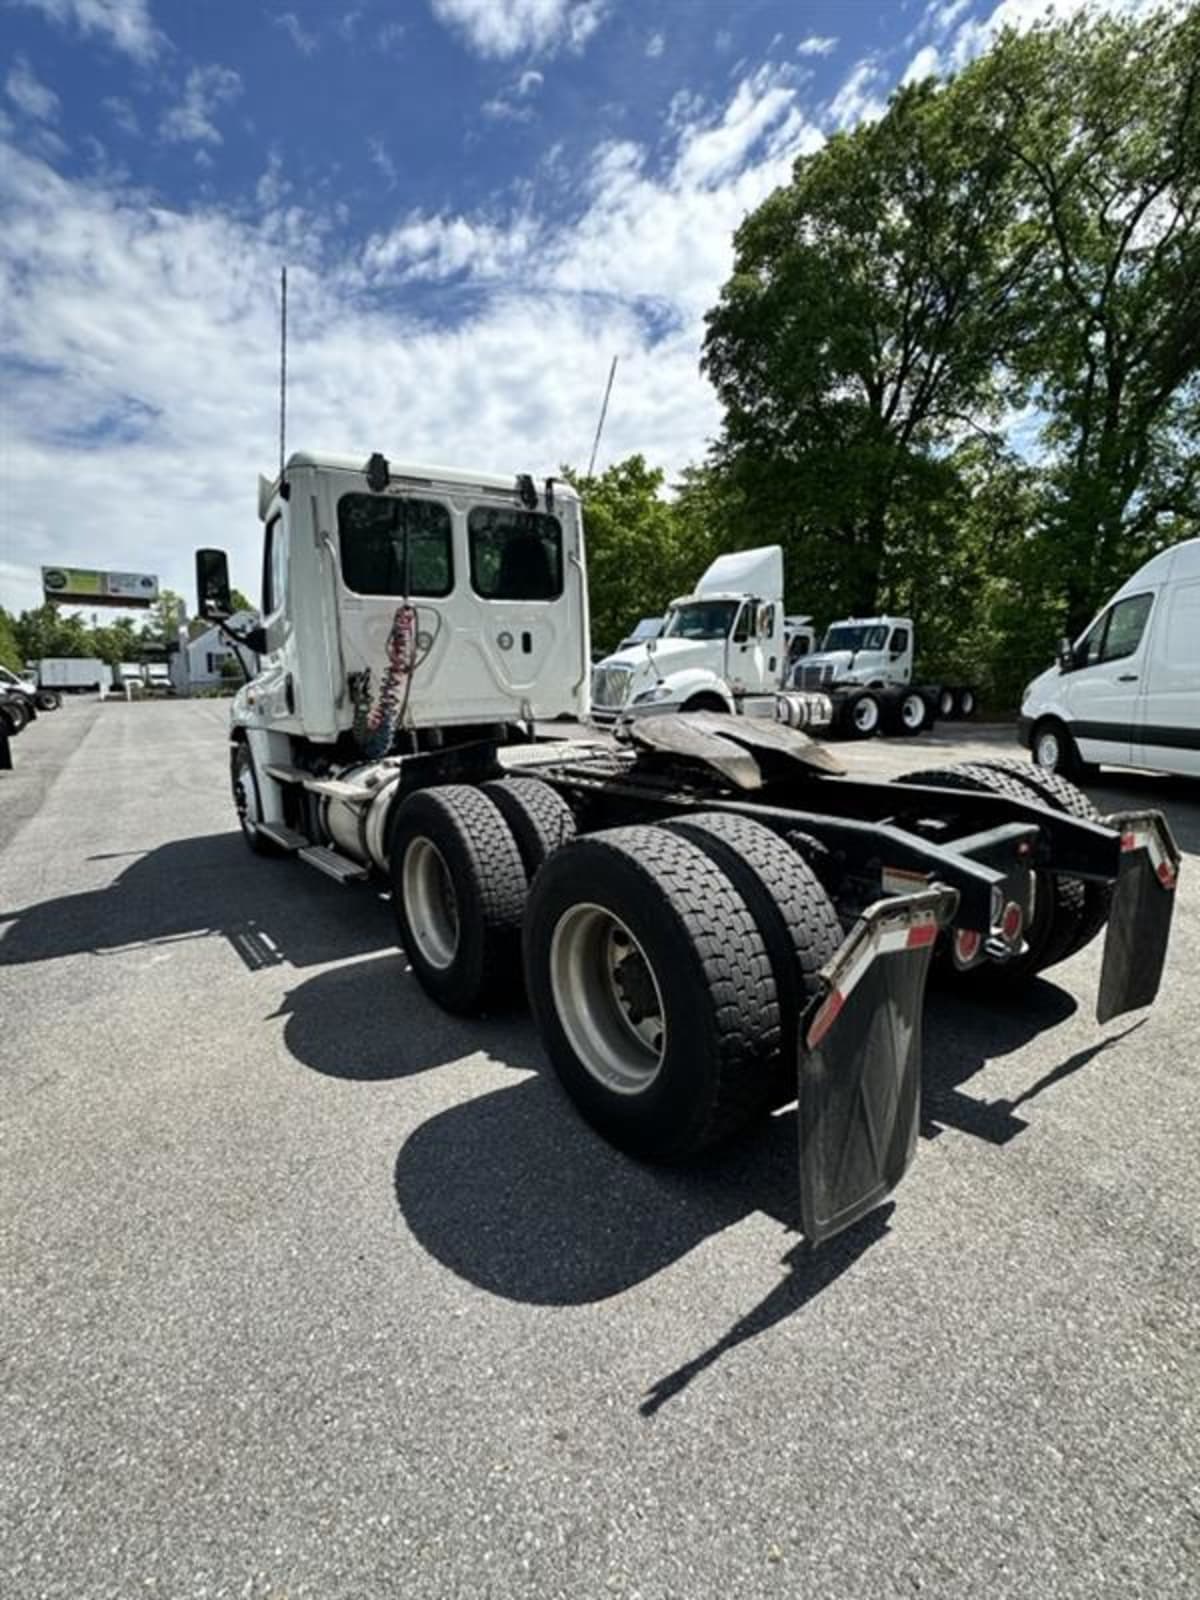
x=122, y=114
x=144, y=336
x=390, y=37
x=856, y=100
x=511, y=105
x=191, y=121
x=656, y=44
x=975, y=35
x=925, y=64
x=123, y=23
x=27, y=92
x=816, y=45
x=304, y=41
x=505, y=28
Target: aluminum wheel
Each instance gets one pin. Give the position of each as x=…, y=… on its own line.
x=608, y=999
x=430, y=901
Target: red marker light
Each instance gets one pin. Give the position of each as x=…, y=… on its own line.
x=825, y=1018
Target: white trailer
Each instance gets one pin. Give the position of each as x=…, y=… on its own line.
x=674, y=906
x=72, y=674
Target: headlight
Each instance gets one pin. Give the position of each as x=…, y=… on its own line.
x=660, y=691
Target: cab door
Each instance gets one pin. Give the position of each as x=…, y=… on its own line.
x=1103, y=688
x=748, y=651
x=1168, y=725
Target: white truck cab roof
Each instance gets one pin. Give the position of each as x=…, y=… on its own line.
x=401, y=471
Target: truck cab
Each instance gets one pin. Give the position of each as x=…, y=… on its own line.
x=406, y=597
x=718, y=646
x=874, y=652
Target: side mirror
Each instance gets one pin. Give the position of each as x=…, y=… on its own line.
x=1066, y=655
x=213, y=600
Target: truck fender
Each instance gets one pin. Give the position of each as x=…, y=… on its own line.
x=686, y=685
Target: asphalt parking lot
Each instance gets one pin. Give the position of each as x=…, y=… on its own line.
x=310, y=1291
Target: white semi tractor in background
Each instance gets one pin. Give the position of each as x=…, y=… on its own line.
x=708, y=919
x=729, y=647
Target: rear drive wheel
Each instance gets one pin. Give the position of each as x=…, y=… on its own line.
x=458, y=888
x=652, y=990
x=863, y=715
x=539, y=817
x=946, y=704
x=909, y=715
x=965, y=703
x=794, y=914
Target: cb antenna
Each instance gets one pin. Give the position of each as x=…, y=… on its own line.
x=282, y=366
x=612, y=372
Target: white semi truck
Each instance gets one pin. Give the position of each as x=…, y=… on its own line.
x=708, y=920
x=729, y=647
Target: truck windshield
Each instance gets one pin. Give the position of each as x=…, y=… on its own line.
x=854, y=636
x=700, y=619
x=394, y=546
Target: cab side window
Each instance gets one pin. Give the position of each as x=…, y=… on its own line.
x=274, y=566
x=742, y=627
x=899, y=641
x=1126, y=624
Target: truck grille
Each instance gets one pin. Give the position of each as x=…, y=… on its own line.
x=814, y=677
x=610, y=687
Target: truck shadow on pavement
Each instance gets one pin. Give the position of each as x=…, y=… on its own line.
x=512, y=1192
x=271, y=912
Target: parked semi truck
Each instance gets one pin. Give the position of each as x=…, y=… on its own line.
x=709, y=918
x=729, y=647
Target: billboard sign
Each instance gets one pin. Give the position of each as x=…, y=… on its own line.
x=82, y=586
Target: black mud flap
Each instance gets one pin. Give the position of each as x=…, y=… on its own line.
x=860, y=1062
x=1139, y=923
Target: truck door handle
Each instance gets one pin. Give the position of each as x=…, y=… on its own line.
x=1127, y=677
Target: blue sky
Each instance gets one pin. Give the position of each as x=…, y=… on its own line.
x=480, y=203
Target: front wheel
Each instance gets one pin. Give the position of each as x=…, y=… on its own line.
x=247, y=799
x=863, y=716
x=1054, y=750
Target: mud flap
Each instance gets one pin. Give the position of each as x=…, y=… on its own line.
x=860, y=1062
x=1139, y=922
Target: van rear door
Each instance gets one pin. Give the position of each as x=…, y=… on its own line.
x=1103, y=689
x=1168, y=729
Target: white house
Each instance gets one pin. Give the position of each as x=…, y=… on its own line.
x=207, y=653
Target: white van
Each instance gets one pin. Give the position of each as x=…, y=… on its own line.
x=1127, y=692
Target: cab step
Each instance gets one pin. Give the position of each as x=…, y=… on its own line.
x=332, y=864
x=283, y=837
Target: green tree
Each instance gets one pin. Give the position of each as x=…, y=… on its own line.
x=116, y=641
x=10, y=653
x=858, y=335
x=47, y=631
x=162, y=619
x=1100, y=118
x=638, y=559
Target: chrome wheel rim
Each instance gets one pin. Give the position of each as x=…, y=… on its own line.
x=866, y=716
x=946, y=704
x=608, y=999
x=430, y=902
x=1048, y=752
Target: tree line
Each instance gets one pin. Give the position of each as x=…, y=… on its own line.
x=958, y=359
x=48, y=631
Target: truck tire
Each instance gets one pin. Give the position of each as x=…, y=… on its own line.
x=538, y=816
x=1053, y=790
x=47, y=700
x=1058, y=901
x=652, y=991
x=947, y=704
x=247, y=798
x=906, y=714
x=862, y=714
x=964, y=704
x=794, y=914
x=458, y=891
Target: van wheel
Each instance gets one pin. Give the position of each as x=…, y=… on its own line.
x=1054, y=750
